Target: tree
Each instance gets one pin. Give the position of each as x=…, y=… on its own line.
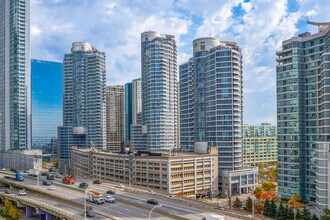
x=295, y=201
x=248, y=205
x=306, y=215
x=13, y=212
x=237, y=204
x=280, y=214
x=261, y=171
x=289, y=213
x=326, y=214
x=272, y=174
x=298, y=215
x=314, y=217
x=272, y=209
x=7, y=205
x=266, y=208
x=269, y=186
x=259, y=208
x=257, y=190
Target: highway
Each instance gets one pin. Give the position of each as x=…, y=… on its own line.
x=131, y=205
x=117, y=210
x=168, y=205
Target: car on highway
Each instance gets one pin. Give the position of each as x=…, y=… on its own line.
x=171, y=196
x=152, y=201
x=58, y=175
x=111, y=192
x=7, y=191
x=97, y=181
x=90, y=213
x=46, y=183
x=44, y=174
x=121, y=186
x=2, y=168
x=109, y=199
x=83, y=185
x=99, y=201
x=51, y=188
x=50, y=177
x=22, y=192
x=151, y=192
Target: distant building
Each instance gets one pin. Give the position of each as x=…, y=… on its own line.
x=84, y=119
x=303, y=112
x=211, y=109
x=21, y=159
x=192, y=174
x=133, y=104
x=259, y=144
x=115, y=117
x=159, y=91
x=47, y=102
x=15, y=75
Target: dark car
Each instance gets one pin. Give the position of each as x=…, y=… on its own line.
x=97, y=181
x=44, y=174
x=46, y=183
x=152, y=201
x=83, y=185
x=50, y=177
x=7, y=191
x=90, y=213
x=111, y=192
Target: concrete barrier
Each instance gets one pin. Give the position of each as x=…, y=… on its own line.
x=54, y=195
x=45, y=207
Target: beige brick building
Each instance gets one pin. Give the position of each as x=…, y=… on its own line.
x=189, y=173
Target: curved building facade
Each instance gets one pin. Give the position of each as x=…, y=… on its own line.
x=159, y=89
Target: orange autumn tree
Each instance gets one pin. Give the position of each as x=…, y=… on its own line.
x=259, y=208
x=295, y=201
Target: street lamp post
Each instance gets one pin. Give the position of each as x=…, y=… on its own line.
x=85, y=201
x=38, y=179
x=157, y=206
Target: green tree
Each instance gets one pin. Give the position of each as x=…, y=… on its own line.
x=326, y=214
x=306, y=215
x=248, y=205
x=298, y=215
x=272, y=209
x=266, y=208
x=314, y=217
x=289, y=213
x=280, y=214
x=237, y=204
x=257, y=190
x=7, y=205
x=268, y=186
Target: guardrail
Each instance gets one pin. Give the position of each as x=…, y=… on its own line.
x=45, y=207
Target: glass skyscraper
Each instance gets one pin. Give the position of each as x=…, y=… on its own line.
x=133, y=102
x=211, y=103
x=47, y=102
x=15, y=90
x=83, y=100
x=128, y=110
x=303, y=111
x=159, y=90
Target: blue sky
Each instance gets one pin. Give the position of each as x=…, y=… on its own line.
x=258, y=26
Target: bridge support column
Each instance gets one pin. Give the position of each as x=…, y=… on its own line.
x=49, y=216
x=28, y=212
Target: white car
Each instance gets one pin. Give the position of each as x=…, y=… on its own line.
x=51, y=188
x=172, y=197
x=109, y=199
x=151, y=192
x=120, y=186
x=22, y=193
x=3, y=168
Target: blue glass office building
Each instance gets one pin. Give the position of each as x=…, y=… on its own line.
x=47, y=85
x=128, y=110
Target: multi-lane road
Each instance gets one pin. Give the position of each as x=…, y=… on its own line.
x=131, y=205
